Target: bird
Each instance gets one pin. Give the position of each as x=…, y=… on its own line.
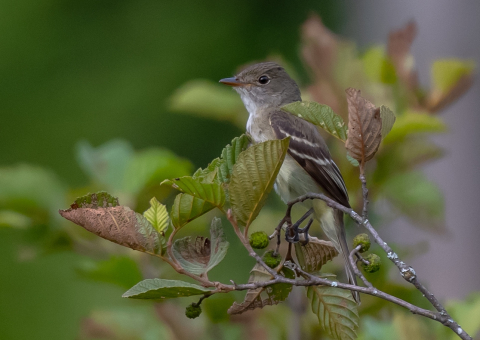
x=308, y=166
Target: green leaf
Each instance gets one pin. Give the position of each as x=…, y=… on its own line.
x=447, y=72
x=208, y=99
x=159, y=289
x=321, y=115
x=151, y=166
x=378, y=67
x=312, y=256
x=210, y=173
x=336, y=311
x=212, y=193
x=230, y=156
x=266, y=296
x=96, y=200
x=418, y=198
x=157, y=215
x=253, y=177
x=414, y=122
x=120, y=225
x=13, y=219
x=33, y=192
x=466, y=312
x=221, y=168
x=388, y=119
x=352, y=160
x=120, y=270
x=186, y=208
x=107, y=163
x=199, y=255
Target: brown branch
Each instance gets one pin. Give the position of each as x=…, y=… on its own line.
x=407, y=272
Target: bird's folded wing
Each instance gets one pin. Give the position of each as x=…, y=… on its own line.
x=308, y=148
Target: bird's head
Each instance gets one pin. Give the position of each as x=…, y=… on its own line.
x=264, y=85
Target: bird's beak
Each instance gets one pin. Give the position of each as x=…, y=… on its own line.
x=231, y=82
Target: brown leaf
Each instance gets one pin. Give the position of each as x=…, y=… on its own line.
x=315, y=254
x=364, y=127
x=398, y=49
x=120, y=225
x=261, y=297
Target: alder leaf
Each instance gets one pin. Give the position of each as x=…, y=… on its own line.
x=160, y=289
x=321, y=115
x=312, y=256
x=336, y=311
x=220, y=169
x=364, y=127
x=388, y=119
x=253, y=177
x=412, y=122
x=212, y=193
x=157, y=215
x=266, y=296
x=117, y=224
x=199, y=255
x=230, y=156
x=186, y=208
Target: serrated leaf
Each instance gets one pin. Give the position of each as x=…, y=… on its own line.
x=157, y=215
x=253, y=177
x=160, y=289
x=267, y=296
x=388, y=119
x=120, y=225
x=336, y=311
x=321, y=115
x=421, y=200
x=364, y=127
x=230, y=156
x=312, y=256
x=199, y=255
x=212, y=193
x=414, y=122
x=210, y=173
x=186, y=208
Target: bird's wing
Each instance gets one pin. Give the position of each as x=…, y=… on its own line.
x=308, y=148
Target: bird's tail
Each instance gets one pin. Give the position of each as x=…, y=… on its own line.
x=332, y=224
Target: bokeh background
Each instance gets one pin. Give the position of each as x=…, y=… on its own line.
x=95, y=71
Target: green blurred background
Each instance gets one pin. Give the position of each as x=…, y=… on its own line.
x=101, y=70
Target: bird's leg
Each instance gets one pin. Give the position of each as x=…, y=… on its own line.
x=305, y=232
x=292, y=233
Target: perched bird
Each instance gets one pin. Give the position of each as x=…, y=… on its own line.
x=308, y=166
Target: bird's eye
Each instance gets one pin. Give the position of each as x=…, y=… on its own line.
x=263, y=80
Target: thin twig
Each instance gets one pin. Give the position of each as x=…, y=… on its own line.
x=355, y=268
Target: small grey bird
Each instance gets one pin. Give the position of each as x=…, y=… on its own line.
x=308, y=166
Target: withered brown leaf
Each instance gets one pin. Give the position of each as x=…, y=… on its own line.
x=364, y=127
x=120, y=225
x=315, y=254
